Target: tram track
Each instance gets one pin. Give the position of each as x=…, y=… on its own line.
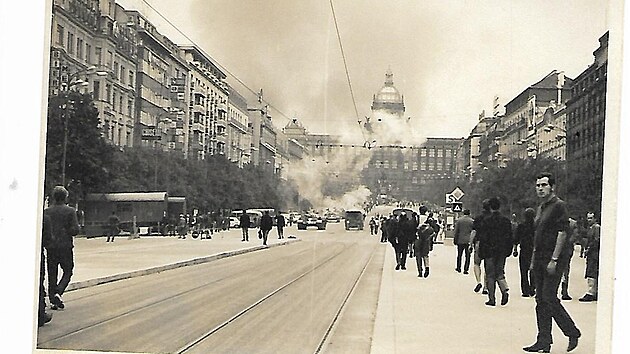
x=322, y=257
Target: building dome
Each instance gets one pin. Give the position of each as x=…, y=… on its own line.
x=388, y=93
x=388, y=99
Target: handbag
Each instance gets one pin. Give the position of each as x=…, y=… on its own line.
x=259, y=233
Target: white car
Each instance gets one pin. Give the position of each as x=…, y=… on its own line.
x=234, y=222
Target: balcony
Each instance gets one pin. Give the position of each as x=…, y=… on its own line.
x=198, y=127
x=222, y=107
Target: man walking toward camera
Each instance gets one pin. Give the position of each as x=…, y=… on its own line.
x=64, y=225
x=549, y=260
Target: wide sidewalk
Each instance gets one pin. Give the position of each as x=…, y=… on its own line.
x=438, y=314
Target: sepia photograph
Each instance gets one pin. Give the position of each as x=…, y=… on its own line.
x=314, y=176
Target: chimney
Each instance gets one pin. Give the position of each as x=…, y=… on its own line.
x=560, y=85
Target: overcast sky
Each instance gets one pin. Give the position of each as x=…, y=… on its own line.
x=449, y=58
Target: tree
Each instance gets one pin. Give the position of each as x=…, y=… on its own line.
x=73, y=126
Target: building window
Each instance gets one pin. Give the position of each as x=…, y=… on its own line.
x=439, y=165
x=406, y=165
x=116, y=67
x=414, y=180
x=122, y=74
x=88, y=53
x=79, y=48
x=423, y=152
x=70, y=43
x=440, y=153
x=131, y=77
x=415, y=166
x=60, y=34
x=432, y=152
x=394, y=164
x=97, y=91
x=99, y=55
x=423, y=166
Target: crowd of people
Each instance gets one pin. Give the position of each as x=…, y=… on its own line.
x=543, y=239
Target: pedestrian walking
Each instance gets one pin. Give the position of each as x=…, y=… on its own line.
x=549, y=260
x=393, y=236
x=494, y=248
x=592, y=258
x=405, y=233
x=524, y=239
x=113, y=223
x=280, y=223
x=475, y=237
x=461, y=239
x=182, y=227
x=266, y=223
x=44, y=317
x=372, y=224
x=573, y=235
x=384, y=222
x=64, y=225
x=245, y=224
x=423, y=244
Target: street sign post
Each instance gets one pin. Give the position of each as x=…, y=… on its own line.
x=450, y=198
x=457, y=193
x=457, y=207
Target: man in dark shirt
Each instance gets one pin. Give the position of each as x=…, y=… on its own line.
x=494, y=247
x=548, y=262
x=245, y=223
x=280, y=222
x=64, y=225
x=266, y=223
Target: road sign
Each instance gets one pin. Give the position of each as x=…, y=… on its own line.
x=450, y=198
x=457, y=193
x=457, y=207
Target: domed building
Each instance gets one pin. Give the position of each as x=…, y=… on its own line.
x=388, y=100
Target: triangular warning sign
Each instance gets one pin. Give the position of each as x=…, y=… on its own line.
x=457, y=207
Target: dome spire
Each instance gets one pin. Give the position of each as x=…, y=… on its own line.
x=389, y=77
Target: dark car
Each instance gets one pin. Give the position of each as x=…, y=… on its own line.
x=311, y=220
x=354, y=219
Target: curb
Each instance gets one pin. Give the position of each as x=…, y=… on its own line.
x=153, y=270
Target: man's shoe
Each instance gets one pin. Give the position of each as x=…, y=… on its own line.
x=538, y=348
x=573, y=343
x=465, y=272
x=477, y=287
x=567, y=297
x=426, y=272
x=397, y=266
x=57, y=302
x=403, y=268
x=44, y=318
x=588, y=298
x=505, y=298
x=420, y=275
x=490, y=303
x=458, y=270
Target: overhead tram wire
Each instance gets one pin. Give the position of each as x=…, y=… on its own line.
x=345, y=64
x=214, y=62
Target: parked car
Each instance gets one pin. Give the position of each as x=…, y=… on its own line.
x=234, y=222
x=307, y=220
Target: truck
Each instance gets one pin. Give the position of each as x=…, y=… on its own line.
x=354, y=219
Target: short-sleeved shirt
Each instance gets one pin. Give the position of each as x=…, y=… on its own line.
x=552, y=217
